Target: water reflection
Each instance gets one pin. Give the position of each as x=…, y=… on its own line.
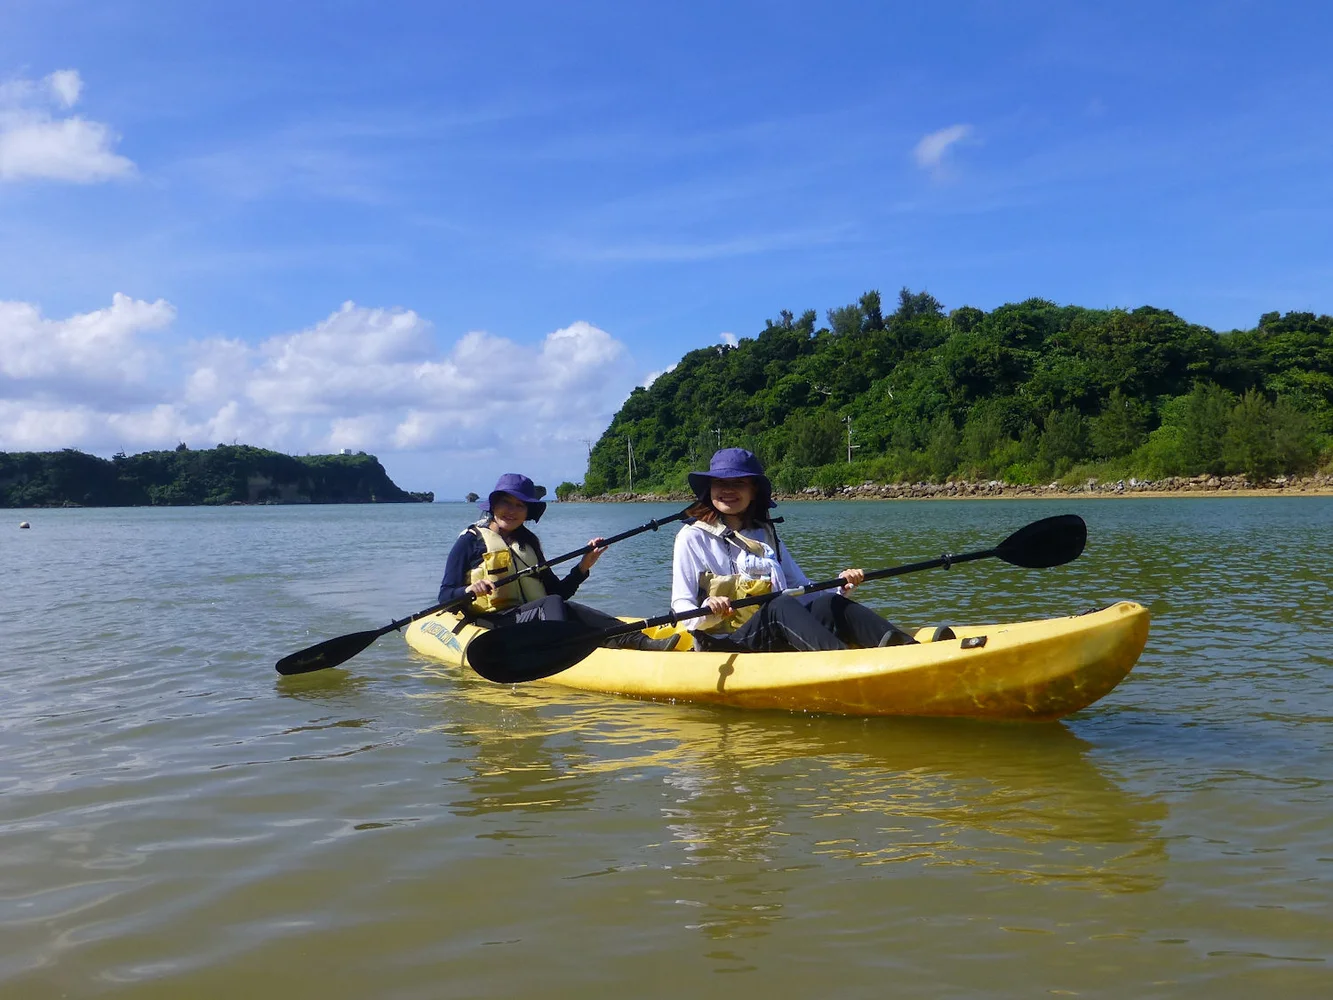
x=519, y=774
x=748, y=801
x=1024, y=804
x=321, y=685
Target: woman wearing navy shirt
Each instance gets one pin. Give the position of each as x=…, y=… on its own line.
x=501, y=544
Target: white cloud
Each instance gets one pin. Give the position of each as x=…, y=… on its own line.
x=103, y=346
x=164, y=423
x=25, y=424
x=66, y=85
x=929, y=152
x=729, y=339
x=354, y=358
x=652, y=377
x=372, y=380
x=36, y=144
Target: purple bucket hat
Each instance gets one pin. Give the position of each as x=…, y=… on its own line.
x=733, y=463
x=520, y=488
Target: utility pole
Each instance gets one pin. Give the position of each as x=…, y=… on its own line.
x=630, y=446
x=718, y=432
x=850, y=446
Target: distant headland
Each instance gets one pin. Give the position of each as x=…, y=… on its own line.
x=227, y=474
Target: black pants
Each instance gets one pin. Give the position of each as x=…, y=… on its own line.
x=551, y=608
x=831, y=621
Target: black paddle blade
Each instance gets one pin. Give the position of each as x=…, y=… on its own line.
x=530, y=651
x=328, y=653
x=1052, y=541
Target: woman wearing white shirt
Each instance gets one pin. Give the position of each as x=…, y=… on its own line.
x=731, y=550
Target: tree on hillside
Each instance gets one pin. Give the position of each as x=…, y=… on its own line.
x=942, y=447
x=911, y=305
x=846, y=321
x=1206, y=418
x=1063, y=440
x=1248, y=445
x=983, y=438
x=1294, y=437
x=815, y=439
x=873, y=311
x=1120, y=427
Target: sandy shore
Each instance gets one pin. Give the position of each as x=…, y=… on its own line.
x=1197, y=486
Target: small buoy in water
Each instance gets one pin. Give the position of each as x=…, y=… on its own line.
x=24, y=524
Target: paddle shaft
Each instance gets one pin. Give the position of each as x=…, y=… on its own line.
x=675, y=617
x=332, y=652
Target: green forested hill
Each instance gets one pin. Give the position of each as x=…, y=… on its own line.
x=1025, y=393
x=225, y=474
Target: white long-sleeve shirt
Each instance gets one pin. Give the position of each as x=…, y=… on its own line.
x=697, y=550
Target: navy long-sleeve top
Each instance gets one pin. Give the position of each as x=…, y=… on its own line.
x=466, y=556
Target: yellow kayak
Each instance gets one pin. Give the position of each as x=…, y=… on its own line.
x=1032, y=670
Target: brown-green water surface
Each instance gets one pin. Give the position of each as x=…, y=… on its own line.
x=178, y=821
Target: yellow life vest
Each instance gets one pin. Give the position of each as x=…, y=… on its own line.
x=501, y=559
x=734, y=586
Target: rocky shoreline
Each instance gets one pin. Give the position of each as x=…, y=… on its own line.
x=1317, y=485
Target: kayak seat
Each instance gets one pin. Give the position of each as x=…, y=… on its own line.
x=684, y=638
x=938, y=634
x=642, y=640
x=896, y=637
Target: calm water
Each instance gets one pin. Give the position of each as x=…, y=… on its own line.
x=176, y=821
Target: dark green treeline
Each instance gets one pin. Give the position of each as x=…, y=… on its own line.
x=221, y=475
x=1027, y=393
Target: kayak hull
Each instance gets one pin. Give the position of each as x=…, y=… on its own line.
x=1034, y=670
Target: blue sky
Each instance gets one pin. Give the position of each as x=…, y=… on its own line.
x=457, y=235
